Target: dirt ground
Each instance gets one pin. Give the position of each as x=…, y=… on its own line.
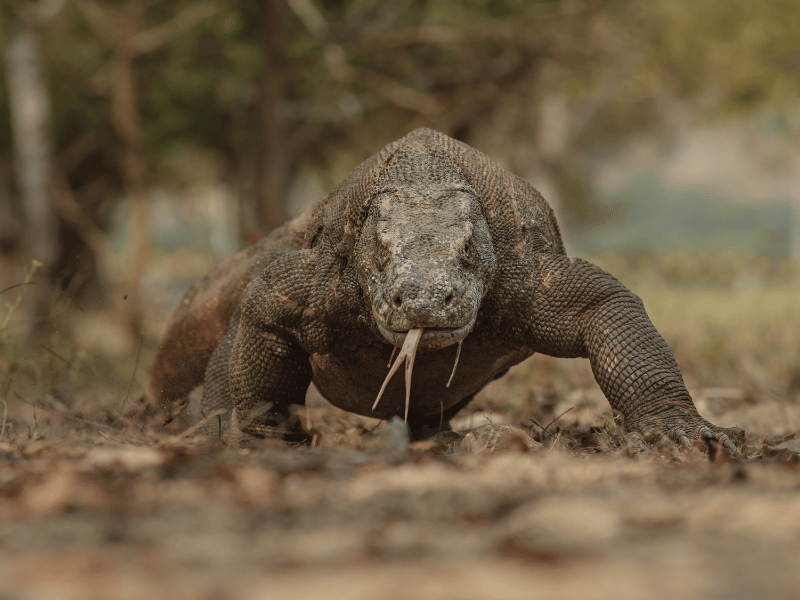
x=107, y=512
x=538, y=494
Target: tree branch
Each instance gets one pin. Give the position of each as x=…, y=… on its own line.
x=161, y=35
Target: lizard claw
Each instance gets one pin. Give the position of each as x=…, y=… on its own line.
x=722, y=438
x=680, y=436
x=682, y=430
x=635, y=440
x=729, y=445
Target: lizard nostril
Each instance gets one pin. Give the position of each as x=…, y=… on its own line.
x=449, y=299
x=397, y=301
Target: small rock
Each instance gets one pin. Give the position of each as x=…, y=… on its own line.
x=392, y=441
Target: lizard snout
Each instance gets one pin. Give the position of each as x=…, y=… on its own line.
x=425, y=302
x=441, y=302
x=420, y=303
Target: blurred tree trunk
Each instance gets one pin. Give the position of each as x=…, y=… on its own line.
x=271, y=180
x=794, y=231
x=120, y=28
x=127, y=123
x=29, y=107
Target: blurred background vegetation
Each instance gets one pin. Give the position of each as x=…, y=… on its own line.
x=144, y=141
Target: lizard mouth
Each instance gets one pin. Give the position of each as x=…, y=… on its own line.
x=432, y=338
x=407, y=354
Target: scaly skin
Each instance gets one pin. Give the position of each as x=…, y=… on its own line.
x=427, y=234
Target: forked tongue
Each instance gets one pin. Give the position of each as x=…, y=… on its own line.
x=407, y=354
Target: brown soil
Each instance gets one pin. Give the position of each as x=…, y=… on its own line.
x=119, y=510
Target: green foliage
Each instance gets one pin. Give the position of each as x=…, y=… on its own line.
x=358, y=72
x=746, y=50
x=199, y=87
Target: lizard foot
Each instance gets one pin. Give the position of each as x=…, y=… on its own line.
x=682, y=430
x=259, y=424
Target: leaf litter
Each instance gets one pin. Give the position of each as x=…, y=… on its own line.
x=515, y=503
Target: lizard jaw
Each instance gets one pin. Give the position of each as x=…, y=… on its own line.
x=432, y=338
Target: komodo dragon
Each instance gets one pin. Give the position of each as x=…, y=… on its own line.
x=431, y=246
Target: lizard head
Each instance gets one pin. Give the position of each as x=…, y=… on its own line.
x=426, y=260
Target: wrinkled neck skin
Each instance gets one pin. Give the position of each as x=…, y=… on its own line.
x=425, y=261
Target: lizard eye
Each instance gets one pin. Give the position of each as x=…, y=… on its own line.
x=465, y=256
x=382, y=256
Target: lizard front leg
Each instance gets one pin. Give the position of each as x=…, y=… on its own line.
x=268, y=368
x=268, y=373
x=582, y=311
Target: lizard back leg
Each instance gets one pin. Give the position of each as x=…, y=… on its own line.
x=216, y=386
